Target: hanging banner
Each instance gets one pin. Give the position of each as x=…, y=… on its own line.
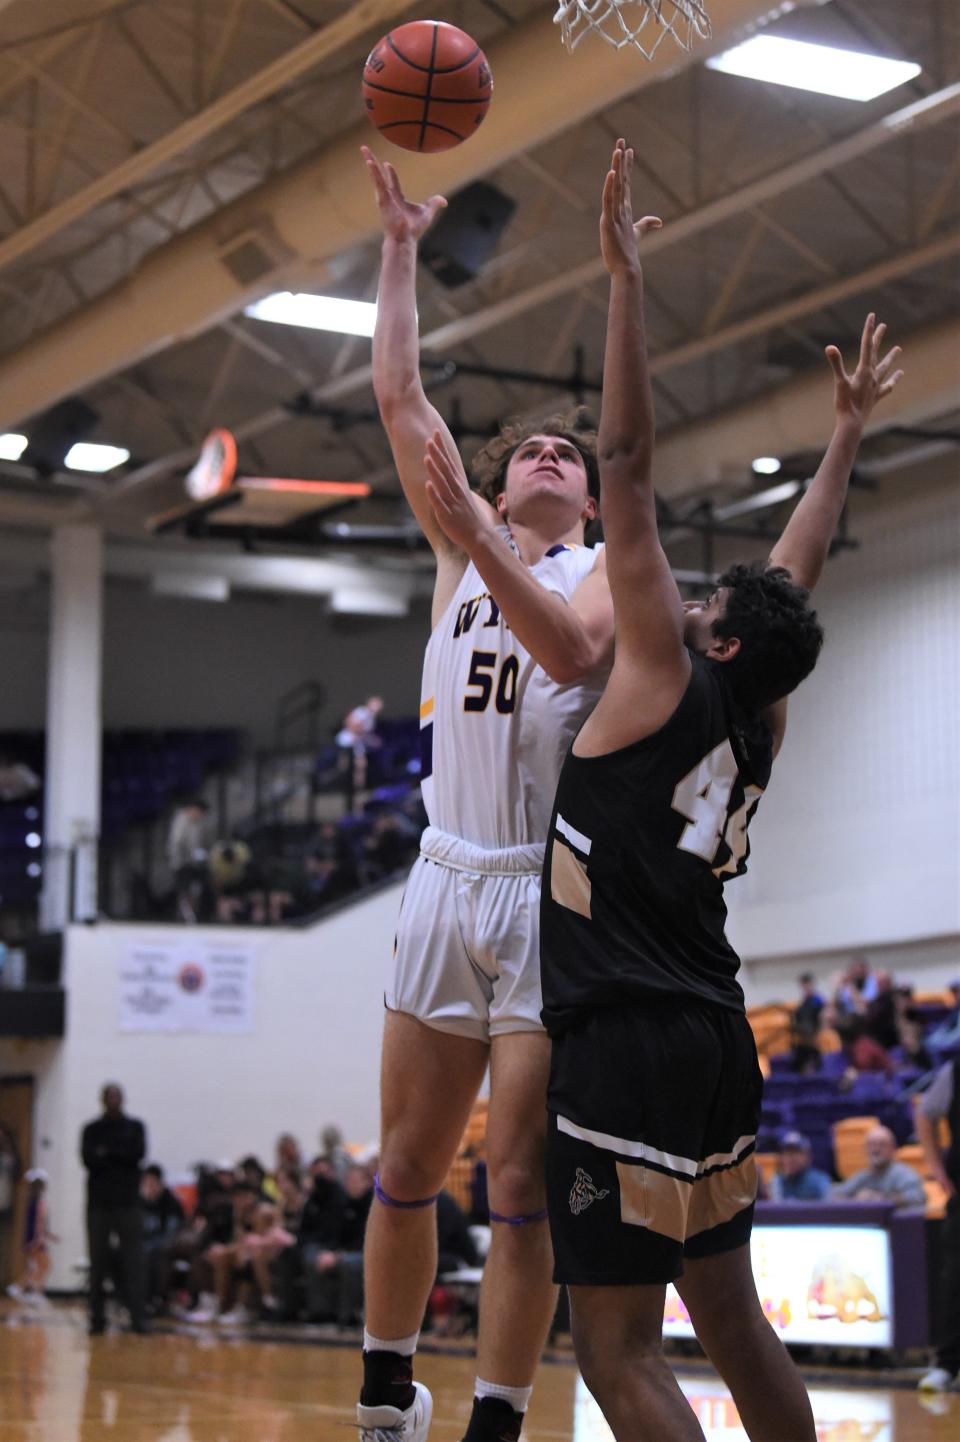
x=187, y=985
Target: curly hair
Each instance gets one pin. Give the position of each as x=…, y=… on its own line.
x=489, y=465
x=779, y=634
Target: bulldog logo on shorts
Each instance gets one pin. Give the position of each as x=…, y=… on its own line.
x=584, y=1193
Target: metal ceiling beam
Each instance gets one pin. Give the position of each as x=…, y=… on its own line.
x=799, y=415
x=361, y=17
x=323, y=206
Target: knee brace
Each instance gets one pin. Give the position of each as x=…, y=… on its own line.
x=389, y=1201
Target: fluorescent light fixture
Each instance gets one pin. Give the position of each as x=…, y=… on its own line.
x=765, y=466
x=849, y=74
x=758, y=502
x=316, y=312
x=86, y=456
x=12, y=446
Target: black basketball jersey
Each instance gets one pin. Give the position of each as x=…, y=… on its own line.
x=641, y=843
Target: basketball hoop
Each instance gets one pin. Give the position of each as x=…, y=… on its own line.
x=681, y=19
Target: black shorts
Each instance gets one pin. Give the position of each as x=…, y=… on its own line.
x=650, y=1150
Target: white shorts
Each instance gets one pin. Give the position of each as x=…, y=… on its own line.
x=467, y=954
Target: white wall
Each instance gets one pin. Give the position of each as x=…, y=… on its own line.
x=856, y=843
x=171, y=662
x=312, y=1059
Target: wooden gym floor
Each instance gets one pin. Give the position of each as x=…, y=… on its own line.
x=56, y=1385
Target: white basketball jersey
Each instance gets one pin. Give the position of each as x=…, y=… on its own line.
x=494, y=728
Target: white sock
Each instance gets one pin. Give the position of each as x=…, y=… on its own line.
x=518, y=1397
x=405, y=1346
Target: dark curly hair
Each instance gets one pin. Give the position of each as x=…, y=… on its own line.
x=489, y=465
x=779, y=634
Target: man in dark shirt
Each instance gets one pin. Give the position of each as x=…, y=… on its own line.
x=112, y=1148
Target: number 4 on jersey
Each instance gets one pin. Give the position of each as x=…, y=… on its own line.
x=703, y=797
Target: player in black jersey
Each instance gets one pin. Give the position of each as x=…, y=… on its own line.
x=654, y=1086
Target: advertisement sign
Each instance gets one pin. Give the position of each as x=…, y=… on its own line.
x=190, y=985
x=819, y=1285
x=853, y=1416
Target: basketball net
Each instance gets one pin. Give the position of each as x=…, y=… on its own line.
x=681, y=19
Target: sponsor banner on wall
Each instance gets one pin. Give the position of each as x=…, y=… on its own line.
x=193, y=985
x=817, y=1285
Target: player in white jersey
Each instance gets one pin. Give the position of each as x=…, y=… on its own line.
x=520, y=647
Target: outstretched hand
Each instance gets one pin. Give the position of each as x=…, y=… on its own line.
x=401, y=219
x=619, y=232
x=856, y=395
x=449, y=494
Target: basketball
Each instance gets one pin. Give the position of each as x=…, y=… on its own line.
x=427, y=85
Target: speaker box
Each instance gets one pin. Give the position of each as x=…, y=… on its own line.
x=53, y=433
x=467, y=233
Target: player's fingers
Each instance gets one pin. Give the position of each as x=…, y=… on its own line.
x=393, y=180
x=888, y=386
x=867, y=338
x=836, y=362
x=877, y=341
x=647, y=222
x=437, y=202
x=884, y=365
x=608, y=189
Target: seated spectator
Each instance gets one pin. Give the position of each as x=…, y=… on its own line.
x=334, y=1152
x=320, y=1231
x=884, y=1179
x=290, y=1196
x=796, y=1179
x=212, y=1225
x=856, y=990
x=945, y=1038
x=254, y=1255
x=389, y=846
x=163, y=1219
x=806, y=1026
x=862, y=1052
x=329, y=871
x=880, y=1021
x=233, y=880
x=253, y=1173
x=187, y=844
x=334, y=1274
x=455, y=1246
x=288, y=1152
x=356, y=738
x=221, y=1261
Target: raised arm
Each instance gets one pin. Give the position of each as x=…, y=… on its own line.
x=407, y=415
x=649, y=611
x=805, y=544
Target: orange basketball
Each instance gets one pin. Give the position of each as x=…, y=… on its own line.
x=427, y=85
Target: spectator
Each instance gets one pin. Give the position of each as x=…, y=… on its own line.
x=806, y=1025
x=796, y=1179
x=36, y=1242
x=320, y=1232
x=333, y=1152
x=455, y=1246
x=290, y=1196
x=223, y=1262
x=254, y=1175
x=211, y=1225
x=862, y=1052
x=256, y=1253
x=232, y=880
x=356, y=738
x=163, y=1220
x=884, y=1179
x=288, y=1152
x=857, y=989
x=946, y=1036
x=112, y=1148
x=17, y=779
x=941, y=1102
x=387, y=847
x=9, y=1176
x=187, y=856
x=882, y=1014
x=334, y=1274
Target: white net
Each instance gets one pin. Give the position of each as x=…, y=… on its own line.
x=643, y=23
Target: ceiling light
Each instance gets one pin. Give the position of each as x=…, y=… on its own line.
x=765, y=465
x=12, y=446
x=759, y=501
x=316, y=312
x=86, y=456
x=847, y=73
